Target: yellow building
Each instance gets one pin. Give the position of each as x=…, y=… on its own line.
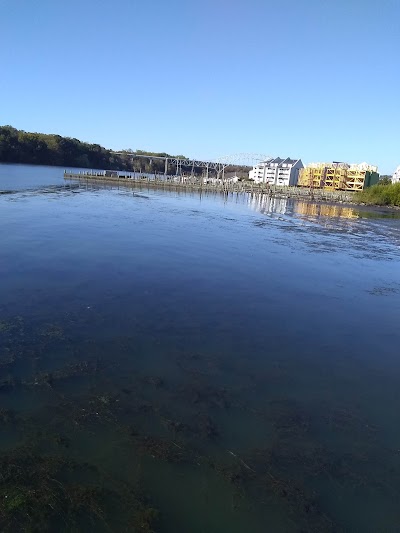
x=312, y=176
x=338, y=176
x=359, y=177
x=335, y=177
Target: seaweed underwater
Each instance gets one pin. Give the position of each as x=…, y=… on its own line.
x=57, y=448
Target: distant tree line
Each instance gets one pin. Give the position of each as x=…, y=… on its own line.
x=18, y=146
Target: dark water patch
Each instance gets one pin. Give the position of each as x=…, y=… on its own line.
x=385, y=290
x=50, y=492
x=190, y=366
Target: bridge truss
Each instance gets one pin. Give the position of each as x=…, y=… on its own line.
x=219, y=165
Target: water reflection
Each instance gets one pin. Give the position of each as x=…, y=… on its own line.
x=286, y=206
x=326, y=210
x=267, y=205
x=290, y=206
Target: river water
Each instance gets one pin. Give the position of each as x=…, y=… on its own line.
x=181, y=363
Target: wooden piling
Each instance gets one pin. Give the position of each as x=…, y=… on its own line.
x=224, y=187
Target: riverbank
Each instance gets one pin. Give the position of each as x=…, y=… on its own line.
x=382, y=195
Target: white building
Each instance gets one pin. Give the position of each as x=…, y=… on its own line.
x=220, y=181
x=277, y=171
x=396, y=175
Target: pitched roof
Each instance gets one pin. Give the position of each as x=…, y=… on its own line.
x=280, y=161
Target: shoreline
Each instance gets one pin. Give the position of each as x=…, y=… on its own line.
x=223, y=188
x=339, y=198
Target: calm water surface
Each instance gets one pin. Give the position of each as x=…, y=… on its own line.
x=181, y=363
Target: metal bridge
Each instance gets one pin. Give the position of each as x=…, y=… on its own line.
x=218, y=166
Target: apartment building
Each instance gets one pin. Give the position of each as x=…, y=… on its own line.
x=338, y=176
x=277, y=171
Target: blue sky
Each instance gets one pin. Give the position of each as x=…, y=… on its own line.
x=314, y=79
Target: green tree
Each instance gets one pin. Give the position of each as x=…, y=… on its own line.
x=385, y=180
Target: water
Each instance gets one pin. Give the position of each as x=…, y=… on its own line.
x=232, y=363
x=22, y=177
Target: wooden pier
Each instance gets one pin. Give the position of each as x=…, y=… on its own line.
x=199, y=184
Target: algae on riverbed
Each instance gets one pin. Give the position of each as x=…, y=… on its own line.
x=191, y=365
